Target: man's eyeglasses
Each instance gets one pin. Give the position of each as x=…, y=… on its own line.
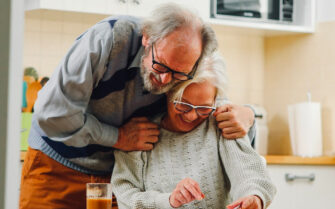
x=161, y=68
x=200, y=110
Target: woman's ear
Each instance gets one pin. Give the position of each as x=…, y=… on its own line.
x=145, y=40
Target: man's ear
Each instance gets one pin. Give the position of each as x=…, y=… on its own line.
x=145, y=40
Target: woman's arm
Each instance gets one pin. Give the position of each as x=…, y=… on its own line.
x=246, y=170
x=128, y=183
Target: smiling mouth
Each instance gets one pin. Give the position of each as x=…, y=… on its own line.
x=186, y=121
x=155, y=80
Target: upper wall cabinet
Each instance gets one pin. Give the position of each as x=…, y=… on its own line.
x=297, y=16
x=86, y=6
x=140, y=8
x=271, y=17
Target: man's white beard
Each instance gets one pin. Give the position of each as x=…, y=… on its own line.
x=148, y=83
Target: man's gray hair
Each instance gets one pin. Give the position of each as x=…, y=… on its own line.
x=170, y=17
x=212, y=69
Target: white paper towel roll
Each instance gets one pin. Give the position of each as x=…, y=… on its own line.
x=305, y=129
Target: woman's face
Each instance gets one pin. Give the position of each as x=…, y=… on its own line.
x=197, y=94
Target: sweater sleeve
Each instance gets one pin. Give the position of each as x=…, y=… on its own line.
x=128, y=183
x=60, y=109
x=246, y=170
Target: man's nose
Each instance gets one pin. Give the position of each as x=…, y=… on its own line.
x=165, y=78
x=191, y=115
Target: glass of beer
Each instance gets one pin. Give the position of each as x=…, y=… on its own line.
x=98, y=196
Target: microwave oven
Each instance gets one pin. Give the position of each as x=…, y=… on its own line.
x=263, y=10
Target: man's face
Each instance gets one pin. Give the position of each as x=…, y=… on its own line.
x=179, y=51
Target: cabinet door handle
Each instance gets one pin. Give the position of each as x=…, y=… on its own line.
x=292, y=177
x=122, y=1
x=136, y=2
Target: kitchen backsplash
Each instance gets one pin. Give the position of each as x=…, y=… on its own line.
x=295, y=64
x=50, y=34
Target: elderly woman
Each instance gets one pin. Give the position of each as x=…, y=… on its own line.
x=192, y=166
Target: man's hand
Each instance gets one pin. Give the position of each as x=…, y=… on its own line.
x=249, y=202
x=137, y=134
x=234, y=120
x=186, y=191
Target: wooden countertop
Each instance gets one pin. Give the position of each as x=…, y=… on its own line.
x=284, y=160
x=296, y=160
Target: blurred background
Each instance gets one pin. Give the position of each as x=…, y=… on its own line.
x=276, y=51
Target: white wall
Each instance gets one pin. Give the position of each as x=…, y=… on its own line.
x=325, y=10
x=11, y=41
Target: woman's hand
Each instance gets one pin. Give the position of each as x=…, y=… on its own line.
x=186, y=191
x=249, y=202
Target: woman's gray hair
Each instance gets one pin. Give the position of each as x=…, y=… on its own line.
x=212, y=69
x=169, y=17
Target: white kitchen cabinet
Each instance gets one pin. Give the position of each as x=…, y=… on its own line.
x=304, y=18
x=120, y=7
x=200, y=7
x=303, y=192
x=87, y=6
x=140, y=8
x=110, y=7
x=143, y=8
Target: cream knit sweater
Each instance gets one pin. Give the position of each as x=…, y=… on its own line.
x=226, y=170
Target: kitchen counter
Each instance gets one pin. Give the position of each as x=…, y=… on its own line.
x=282, y=159
x=296, y=160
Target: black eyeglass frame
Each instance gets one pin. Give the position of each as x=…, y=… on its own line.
x=175, y=102
x=170, y=70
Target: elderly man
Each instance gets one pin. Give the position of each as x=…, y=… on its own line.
x=113, y=77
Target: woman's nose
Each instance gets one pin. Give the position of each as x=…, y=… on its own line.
x=191, y=116
x=165, y=78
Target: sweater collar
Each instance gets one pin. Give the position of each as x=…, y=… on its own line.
x=136, y=63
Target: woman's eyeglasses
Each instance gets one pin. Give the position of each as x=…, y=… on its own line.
x=200, y=110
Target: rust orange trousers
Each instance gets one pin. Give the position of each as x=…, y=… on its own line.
x=47, y=184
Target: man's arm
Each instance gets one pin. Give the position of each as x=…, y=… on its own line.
x=235, y=121
x=60, y=109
